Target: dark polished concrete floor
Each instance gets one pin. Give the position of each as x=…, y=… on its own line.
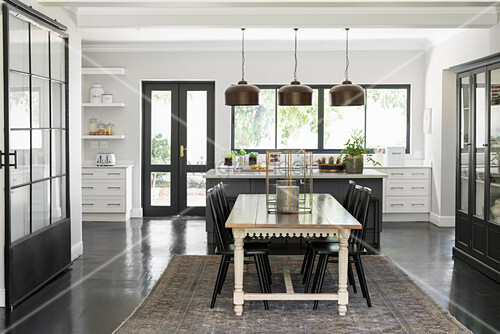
x=121, y=262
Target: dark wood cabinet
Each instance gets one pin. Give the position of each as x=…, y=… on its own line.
x=477, y=239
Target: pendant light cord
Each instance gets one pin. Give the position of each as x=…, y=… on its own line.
x=242, y=54
x=295, y=69
x=346, y=72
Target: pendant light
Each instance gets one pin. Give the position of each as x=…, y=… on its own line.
x=295, y=94
x=242, y=94
x=347, y=94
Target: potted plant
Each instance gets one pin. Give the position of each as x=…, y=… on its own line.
x=228, y=158
x=333, y=165
x=252, y=158
x=353, y=152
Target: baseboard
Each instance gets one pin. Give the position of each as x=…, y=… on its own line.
x=405, y=217
x=2, y=297
x=76, y=250
x=492, y=273
x=442, y=221
x=136, y=213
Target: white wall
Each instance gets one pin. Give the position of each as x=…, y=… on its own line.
x=405, y=67
x=68, y=19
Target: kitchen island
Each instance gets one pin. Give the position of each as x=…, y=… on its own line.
x=254, y=182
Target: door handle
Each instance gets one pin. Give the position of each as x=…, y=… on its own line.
x=181, y=151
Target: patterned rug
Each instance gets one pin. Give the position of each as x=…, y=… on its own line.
x=179, y=303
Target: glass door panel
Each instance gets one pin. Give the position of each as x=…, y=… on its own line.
x=196, y=124
x=494, y=95
x=480, y=143
x=57, y=57
x=20, y=212
x=160, y=189
x=161, y=127
x=41, y=205
x=39, y=51
x=19, y=44
x=464, y=143
x=40, y=103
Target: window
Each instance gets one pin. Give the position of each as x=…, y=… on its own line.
x=320, y=127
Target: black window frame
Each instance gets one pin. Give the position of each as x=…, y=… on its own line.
x=321, y=89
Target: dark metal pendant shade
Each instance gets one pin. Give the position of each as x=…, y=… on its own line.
x=295, y=94
x=347, y=94
x=242, y=94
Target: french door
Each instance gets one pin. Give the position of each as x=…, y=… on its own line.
x=178, y=146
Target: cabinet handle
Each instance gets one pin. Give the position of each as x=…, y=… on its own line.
x=417, y=173
x=87, y=187
x=113, y=204
x=88, y=204
x=417, y=204
x=114, y=173
x=397, y=204
x=397, y=173
x=114, y=187
x=417, y=187
x=87, y=173
x=397, y=187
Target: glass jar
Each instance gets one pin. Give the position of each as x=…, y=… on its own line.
x=110, y=129
x=96, y=92
x=101, y=129
x=92, y=126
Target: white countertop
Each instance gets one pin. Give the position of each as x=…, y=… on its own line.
x=115, y=166
x=231, y=174
x=391, y=167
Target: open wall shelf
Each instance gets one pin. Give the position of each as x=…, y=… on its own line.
x=104, y=105
x=103, y=71
x=109, y=137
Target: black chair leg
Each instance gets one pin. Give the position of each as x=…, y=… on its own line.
x=306, y=258
x=262, y=280
x=350, y=275
x=316, y=275
x=308, y=273
x=267, y=266
x=218, y=281
x=321, y=279
x=362, y=280
x=224, y=273
x=360, y=276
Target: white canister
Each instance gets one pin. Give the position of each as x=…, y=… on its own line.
x=96, y=92
x=107, y=98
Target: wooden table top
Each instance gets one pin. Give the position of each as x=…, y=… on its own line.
x=250, y=211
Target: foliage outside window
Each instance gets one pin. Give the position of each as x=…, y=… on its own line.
x=384, y=121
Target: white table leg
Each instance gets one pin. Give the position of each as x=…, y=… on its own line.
x=343, y=261
x=238, y=271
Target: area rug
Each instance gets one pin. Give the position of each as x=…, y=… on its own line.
x=179, y=303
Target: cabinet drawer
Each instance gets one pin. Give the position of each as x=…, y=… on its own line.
x=106, y=173
x=410, y=173
x=108, y=187
x=101, y=204
x=407, y=204
x=407, y=187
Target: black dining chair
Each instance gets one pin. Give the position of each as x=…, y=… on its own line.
x=348, y=204
x=356, y=248
x=259, y=252
x=352, y=206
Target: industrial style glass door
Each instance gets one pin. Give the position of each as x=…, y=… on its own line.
x=177, y=146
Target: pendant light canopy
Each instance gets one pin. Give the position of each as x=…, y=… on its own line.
x=295, y=94
x=242, y=94
x=347, y=94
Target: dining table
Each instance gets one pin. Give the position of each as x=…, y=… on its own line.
x=327, y=218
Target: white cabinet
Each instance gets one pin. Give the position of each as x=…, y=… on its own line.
x=407, y=189
x=106, y=193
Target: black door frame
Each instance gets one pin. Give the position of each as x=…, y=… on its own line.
x=178, y=165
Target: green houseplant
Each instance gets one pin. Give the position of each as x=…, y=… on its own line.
x=353, y=152
x=252, y=158
x=228, y=158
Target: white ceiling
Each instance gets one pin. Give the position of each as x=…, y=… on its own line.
x=214, y=24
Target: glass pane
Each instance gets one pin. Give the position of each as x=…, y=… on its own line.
x=40, y=102
x=20, y=143
x=41, y=205
x=196, y=127
x=480, y=142
x=495, y=147
x=57, y=56
x=464, y=143
x=160, y=189
x=196, y=189
x=39, y=51
x=58, y=199
x=298, y=126
x=340, y=122
x=19, y=213
x=40, y=153
x=254, y=125
x=161, y=114
x=386, y=107
x=18, y=44
x=19, y=101
x=58, y=105
x=58, y=152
